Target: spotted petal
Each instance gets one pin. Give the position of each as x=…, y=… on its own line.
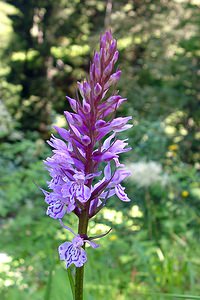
x=83, y=193
x=72, y=255
x=56, y=210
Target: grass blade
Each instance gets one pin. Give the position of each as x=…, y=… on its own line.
x=71, y=281
x=176, y=296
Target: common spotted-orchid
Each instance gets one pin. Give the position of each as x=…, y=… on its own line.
x=89, y=142
x=72, y=252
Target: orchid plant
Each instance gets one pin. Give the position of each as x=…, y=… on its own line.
x=88, y=151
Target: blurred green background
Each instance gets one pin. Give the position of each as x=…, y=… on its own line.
x=153, y=251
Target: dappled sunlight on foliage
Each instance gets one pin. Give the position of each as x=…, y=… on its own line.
x=152, y=252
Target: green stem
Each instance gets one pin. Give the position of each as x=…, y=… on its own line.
x=82, y=229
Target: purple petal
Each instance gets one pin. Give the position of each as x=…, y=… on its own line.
x=86, y=140
x=79, y=258
x=57, y=210
x=68, y=189
x=92, y=175
x=83, y=193
x=63, y=133
x=62, y=249
x=57, y=143
x=93, y=205
x=99, y=188
x=115, y=57
x=104, y=156
x=51, y=198
x=107, y=194
x=100, y=123
x=97, y=59
x=92, y=244
x=73, y=119
x=97, y=89
x=70, y=207
x=119, y=190
x=125, y=127
x=120, y=175
x=107, y=172
x=72, y=255
x=119, y=147
x=107, y=142
x=117, y=125
x=117, y=163
x=73, y=103
x=86, y=107
x=78, y=241
x=113, y=78
x=86, y=90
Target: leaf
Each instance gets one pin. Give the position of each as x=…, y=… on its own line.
x=71, y=281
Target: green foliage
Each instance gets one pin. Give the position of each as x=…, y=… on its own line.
x=21, y=167
x=152, y=252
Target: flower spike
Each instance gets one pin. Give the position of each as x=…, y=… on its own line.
x=90, y=139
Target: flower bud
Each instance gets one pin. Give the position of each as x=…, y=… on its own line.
x=86, y=107
x=80, y=87
x=115, y=57
x=73, y=103
x=92, y=72
x=86, y=140
x=108, y=35
x=100, y=123
x=113, y=46
x=113, y=79
x=114, y=99
x=97, y=60
x=97, y=73
x=86, y=89
x=103, y=41
x=108, y=70
x=97, y=89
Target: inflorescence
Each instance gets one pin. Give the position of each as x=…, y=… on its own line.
x=88, y=145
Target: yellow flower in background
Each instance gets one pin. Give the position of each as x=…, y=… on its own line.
x=113, y=237
x=185, y=194
x=173, y=147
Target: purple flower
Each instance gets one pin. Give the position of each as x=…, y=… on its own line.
x=72, y=252
x=91, y=138
x=76, y=189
